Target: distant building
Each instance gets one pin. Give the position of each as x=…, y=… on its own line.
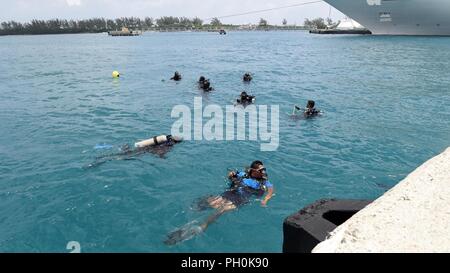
x=247, y=27
x=124, y=32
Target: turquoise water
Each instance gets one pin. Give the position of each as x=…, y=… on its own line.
x=386, y=103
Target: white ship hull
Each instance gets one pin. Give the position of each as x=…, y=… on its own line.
x=398, y=17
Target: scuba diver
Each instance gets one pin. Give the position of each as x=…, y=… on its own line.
x=243, y=185
x=245, y=99
x=158, y=145
x=204, y=84
x=176, y=77
x=247, y=77
x=309, y=111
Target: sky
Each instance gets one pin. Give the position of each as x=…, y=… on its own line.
x=25, y=10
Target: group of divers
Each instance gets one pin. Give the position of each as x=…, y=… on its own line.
x=243, y=184
x=245, y=99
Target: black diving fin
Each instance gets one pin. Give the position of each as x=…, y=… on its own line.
x=184, y=233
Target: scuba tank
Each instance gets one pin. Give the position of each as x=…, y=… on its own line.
x=260, y=191
x=152, y=141
x=156, y=140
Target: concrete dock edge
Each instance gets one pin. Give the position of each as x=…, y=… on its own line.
x=414, y=216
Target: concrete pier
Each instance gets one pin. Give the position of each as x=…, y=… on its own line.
x=303, y=230
x=414, y=216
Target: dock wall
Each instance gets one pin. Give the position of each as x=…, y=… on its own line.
x=414, y=216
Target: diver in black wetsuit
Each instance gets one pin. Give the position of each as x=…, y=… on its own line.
x=127, y=153
x=204, y=84
x=309, y=111
x=176, y=77
x=244, y=185
x=247, y=77
x=245, y=99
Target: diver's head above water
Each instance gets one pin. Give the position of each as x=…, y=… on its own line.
x=175, y=139
x=245, y=98
x=205, y=85
x=257, y=171
x=310, y=104
x=176, y=76
x=247, y=77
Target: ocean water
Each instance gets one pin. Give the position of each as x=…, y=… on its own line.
x=386, y=103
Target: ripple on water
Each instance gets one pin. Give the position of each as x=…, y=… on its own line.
x=385, y=103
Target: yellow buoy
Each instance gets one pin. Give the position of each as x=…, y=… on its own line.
x=116, y=74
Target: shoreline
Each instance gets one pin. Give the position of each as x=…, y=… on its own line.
x=171, y=30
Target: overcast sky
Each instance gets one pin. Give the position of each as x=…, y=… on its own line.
x=25, y=10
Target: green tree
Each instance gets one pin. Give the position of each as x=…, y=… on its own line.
x=185, y=22
x=94, y=25
x=148, y=22
x=216, y=22
x=263, y=22
x=111, y=24
x=167, y=21
x=197, y=22
x=318, y=23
